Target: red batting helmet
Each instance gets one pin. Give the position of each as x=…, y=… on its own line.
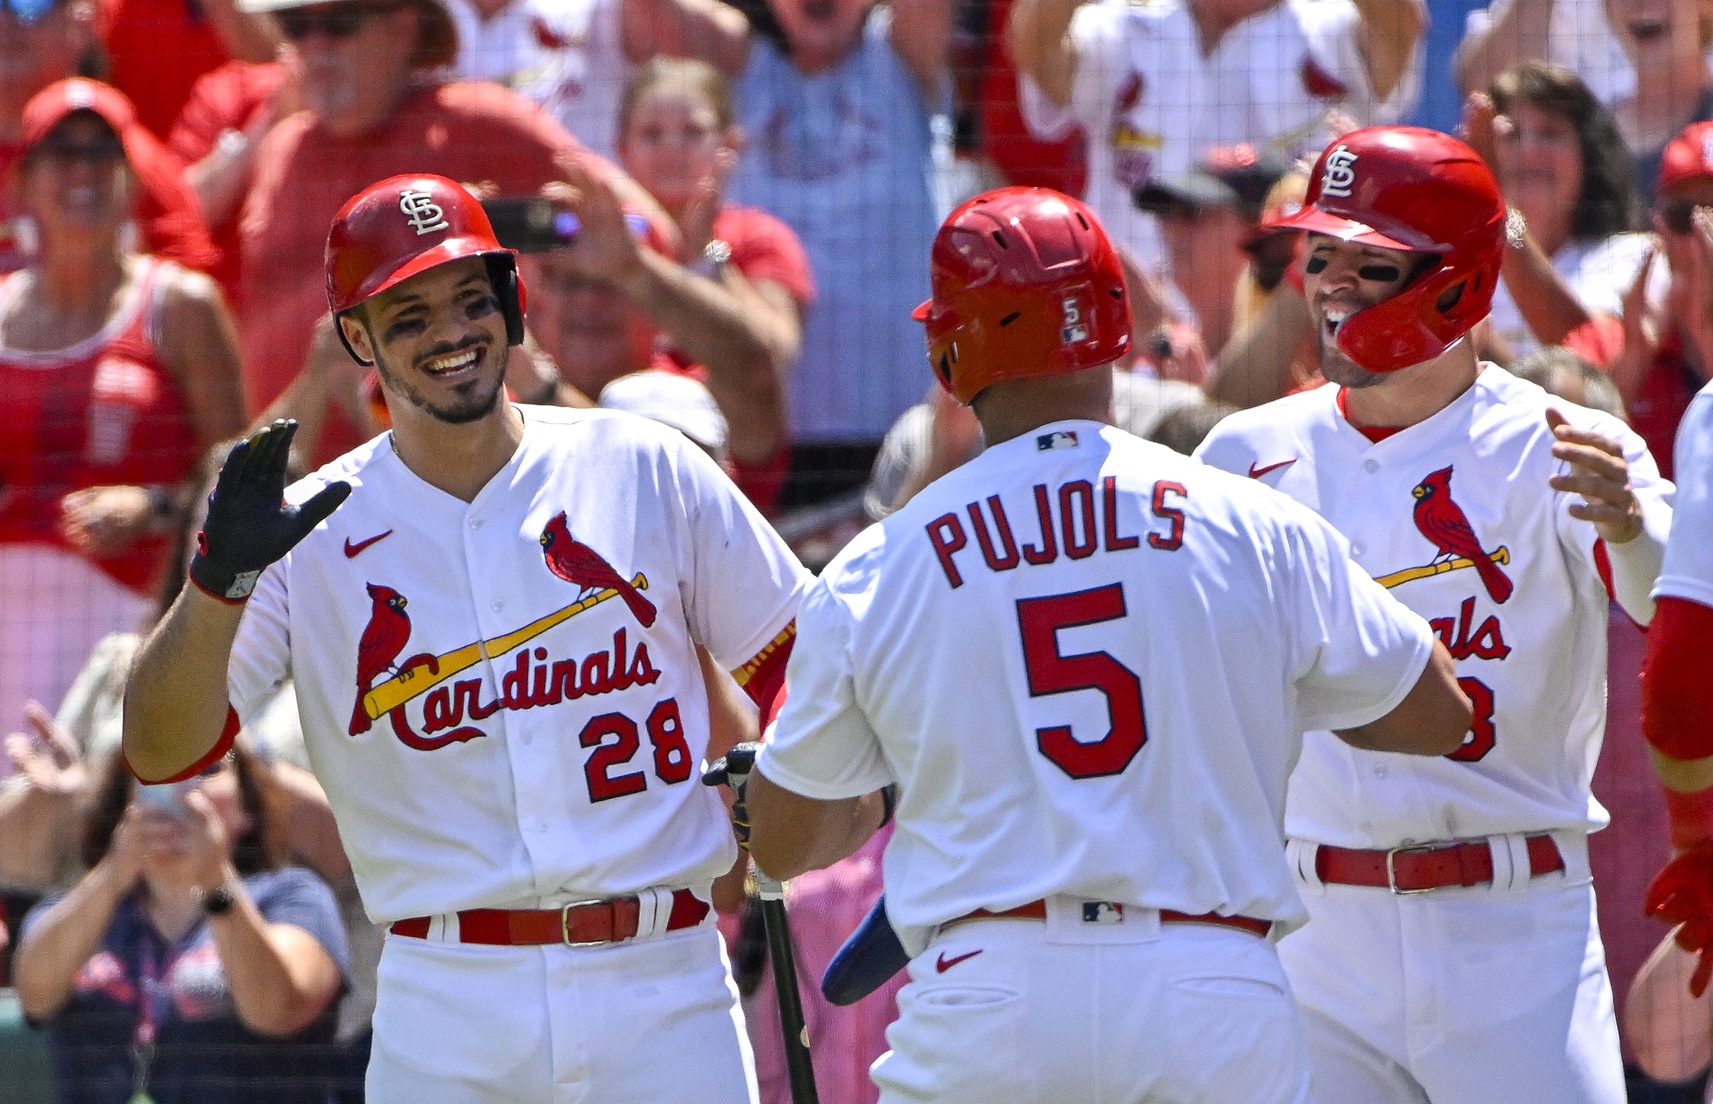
x=406, y=225
x=1025, y=284
x=1409, y=188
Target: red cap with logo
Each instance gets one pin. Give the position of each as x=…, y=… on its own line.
x=1687, y=157
x=406, y=225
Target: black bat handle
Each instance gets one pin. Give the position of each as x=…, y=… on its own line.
x=798, y=1064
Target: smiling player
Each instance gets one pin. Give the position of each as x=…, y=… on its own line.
x=493, y=644
x=1451, y=953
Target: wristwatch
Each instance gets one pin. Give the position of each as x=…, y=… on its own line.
x=219, y=900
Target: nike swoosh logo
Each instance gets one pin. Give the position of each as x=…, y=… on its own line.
x=352, y=551
x=945, y=963
x=1257, y=473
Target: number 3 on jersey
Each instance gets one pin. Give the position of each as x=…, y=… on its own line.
x=1052, y=672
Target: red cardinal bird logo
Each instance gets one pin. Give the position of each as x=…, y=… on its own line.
x=384, y=637
x=1441, y=521
x=583, y=567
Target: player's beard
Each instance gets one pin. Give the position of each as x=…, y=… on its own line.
x=477, y=396
x=1340, y=369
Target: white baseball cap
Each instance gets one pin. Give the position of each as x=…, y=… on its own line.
x=678, y=401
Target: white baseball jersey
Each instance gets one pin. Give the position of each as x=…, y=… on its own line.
x=1152, y=105
x=1086, y=661
x=562, y=764
x=1528, y=631
x=1688, y=571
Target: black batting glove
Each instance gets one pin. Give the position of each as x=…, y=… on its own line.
x=250, y=525
x=733, y=769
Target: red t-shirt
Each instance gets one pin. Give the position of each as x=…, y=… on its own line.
x=467, y=131
x=1656, y=409
x=1005, y=138
x=166, y=208
x=106, y=411
x=226, y=99
x=158, y=48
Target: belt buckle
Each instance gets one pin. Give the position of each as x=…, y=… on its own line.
x=1392, y=868
x=565, y=923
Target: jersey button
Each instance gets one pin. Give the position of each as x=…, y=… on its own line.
x=497, y=605
x=1356, y=550
x=1379, y=772
x=1371, y=466
x=475, y=523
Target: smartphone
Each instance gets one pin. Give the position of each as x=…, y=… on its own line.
x=531, y=224
x=168, y=798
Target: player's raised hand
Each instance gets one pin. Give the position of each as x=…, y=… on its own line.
x=733, y=769
x=1600, y=474
x=250, y=525
x=1682, y=894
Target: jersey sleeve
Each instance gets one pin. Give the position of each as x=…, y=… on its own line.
x=1688, y=570
x=261, y=652
x=744, y=583
x=1098, y=36
x=1359, y=651
x=822, y=746
x=1332, y=29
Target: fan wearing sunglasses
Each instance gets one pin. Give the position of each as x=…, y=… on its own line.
x=370, y=75
x=1668, y=341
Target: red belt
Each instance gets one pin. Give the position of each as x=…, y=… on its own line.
x=1421, y=867
x=582, y=924
x=1037, y=910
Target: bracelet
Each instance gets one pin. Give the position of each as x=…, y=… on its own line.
x=888, y=802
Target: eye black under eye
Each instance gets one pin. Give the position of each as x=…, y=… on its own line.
x=1314, y=264
x=1380, y=273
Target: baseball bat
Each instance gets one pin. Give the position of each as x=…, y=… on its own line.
x=799, y=1066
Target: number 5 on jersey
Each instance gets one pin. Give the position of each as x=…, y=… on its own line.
x=1052, y=672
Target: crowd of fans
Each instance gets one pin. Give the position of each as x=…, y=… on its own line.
x=725, y=212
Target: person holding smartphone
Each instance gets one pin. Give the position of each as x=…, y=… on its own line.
x=183, y=966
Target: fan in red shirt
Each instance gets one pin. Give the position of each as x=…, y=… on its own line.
x=156, y=49
x=117, y=369
x=731, y=315
x=40, y=44
x=374, y=109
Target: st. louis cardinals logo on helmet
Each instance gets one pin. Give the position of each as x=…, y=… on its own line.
x=1340, y=172
x=425, y=215
x=1422, y=192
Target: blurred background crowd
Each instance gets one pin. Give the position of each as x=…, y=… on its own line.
x=725, y=213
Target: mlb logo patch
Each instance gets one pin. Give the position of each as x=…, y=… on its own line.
x=1103, y=912
x=1058, y=439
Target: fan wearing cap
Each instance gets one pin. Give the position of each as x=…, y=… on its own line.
x=117, y=369
x=1452, y=953
x=1668, y=346
x=377, y=104
x=1231, y=270
x=42, y=42
x=491, y=615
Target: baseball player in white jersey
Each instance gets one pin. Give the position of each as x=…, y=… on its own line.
x=493, y=648
x=1085, y=662
x=1451, y=953
x=1156, y=85
x=1677, y=695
